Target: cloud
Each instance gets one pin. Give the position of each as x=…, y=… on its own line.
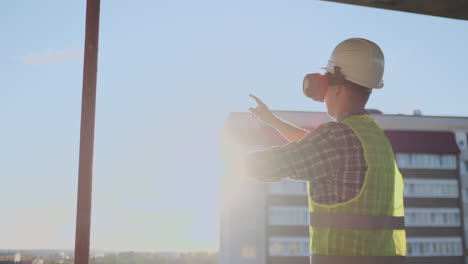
x=54, y=56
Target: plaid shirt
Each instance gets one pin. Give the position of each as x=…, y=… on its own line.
x=331, y=158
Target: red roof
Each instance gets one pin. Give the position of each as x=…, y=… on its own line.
x=402, y=141
x=422, y=141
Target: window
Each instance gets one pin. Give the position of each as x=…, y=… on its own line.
x=466, y=165
x=288, y=187
x=409, y=249
x=288, y=246
x=275, y=248
x=432, y=217
x=249, y=251
x=294, y=248
x=426, y=161
x=433, y=246
x=431, y=188
x=288, y=215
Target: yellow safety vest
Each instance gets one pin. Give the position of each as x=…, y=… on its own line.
x=369, y=228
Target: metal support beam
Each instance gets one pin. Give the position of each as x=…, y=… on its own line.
x=88, y=109
x=457, y=9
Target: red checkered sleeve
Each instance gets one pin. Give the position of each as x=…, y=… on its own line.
x=331, y=158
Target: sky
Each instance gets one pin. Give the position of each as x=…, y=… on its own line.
x=170, y=72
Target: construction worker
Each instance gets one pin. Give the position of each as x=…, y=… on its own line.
x=355, y=189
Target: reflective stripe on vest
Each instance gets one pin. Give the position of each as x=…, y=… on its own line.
x=322, y=259
x=321, y=219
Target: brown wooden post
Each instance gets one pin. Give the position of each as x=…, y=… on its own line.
x=88, y=109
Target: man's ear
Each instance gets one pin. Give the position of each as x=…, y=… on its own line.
x=338, y=90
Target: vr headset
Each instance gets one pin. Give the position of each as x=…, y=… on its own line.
x=315, y=85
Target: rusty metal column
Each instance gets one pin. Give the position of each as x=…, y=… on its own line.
x=88, y=109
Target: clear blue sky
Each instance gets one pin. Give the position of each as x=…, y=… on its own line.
x=169, y=74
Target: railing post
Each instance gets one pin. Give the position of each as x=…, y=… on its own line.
x=88, y=109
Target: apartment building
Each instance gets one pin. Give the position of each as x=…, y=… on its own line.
x=268, y=223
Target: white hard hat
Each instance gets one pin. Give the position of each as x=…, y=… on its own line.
x=360, y=61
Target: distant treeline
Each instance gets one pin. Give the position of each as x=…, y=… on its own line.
x=156, y=258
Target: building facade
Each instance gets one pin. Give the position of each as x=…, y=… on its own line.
x=268, y=223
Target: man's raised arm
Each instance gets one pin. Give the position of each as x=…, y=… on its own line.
x=287, y=130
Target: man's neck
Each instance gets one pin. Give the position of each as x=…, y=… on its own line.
x=342, y=114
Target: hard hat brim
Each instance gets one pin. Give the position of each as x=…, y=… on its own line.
x=381, y=85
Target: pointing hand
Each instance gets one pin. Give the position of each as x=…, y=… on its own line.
x=262, y=112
